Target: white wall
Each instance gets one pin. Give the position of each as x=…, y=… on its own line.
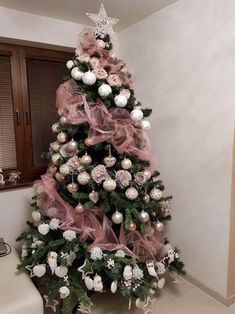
x=184, y=60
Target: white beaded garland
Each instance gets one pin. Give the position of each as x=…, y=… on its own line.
x=126, y=163
x=120, y=100
x=155, y=194
x=109, y=185
x=131, y=193
x=146, y=125
x=62, y=137
x=89, y=78
x=117, y=218
x=69, y=64
x=64, y=170
x=77, y=74
x=104, y=90
x=83, y=178
x=136, y=114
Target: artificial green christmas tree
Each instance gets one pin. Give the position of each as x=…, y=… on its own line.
x=99, y=211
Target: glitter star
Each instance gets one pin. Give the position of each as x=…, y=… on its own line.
x=83, y=270
x=104, y=24
x=51, y=303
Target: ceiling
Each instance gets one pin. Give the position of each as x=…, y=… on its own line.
x=128, y=11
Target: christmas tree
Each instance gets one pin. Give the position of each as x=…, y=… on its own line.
x=99, y=211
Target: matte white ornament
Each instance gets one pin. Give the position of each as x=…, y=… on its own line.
x=161, y=283
x=146, y=125
x=69, y=64
x=144, y=216
x=89, y=78
x=147, y=174
x=77, y=74
x=98, y=285
x=86, y=159
x=131, y=193
x=43, y=229
x=61, y=271
x=55, y=158
x=72, y=146
x=64, y=169
x=39, y=270
x=114, y=286
x=127, y=273
x=104, y=90
x=55, y=127
x=63, y=120
x=126, y=163
x=120, y=100
x=83, y=178
x=89, y=283
x=72, y=187
x=52, y=261
x=64, y=292
x=159, y=226
x=136, y=115
x=36, y=215
x=55, y=146
x=109, y=185
x=155, y=194
x=117, y=218
x=62, y=137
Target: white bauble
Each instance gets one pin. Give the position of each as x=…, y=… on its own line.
x=72, y=146
x=126, y=163
x=63, y=120
x=136, y=115
x=147, y=174
x=62, y=137
x=89, y=283
x=69, y=64
x=64, y=170
x=36, y=215
x=120, y=100
x=83, y=178
x=39, y=270
x=85, y=159
x=104, y=90
x=131, y=193
x=161, y=283
x=64, y=292
x=109, y=185
x=156, y=194
x=146, y=125
x=127, y=272
x=61, y=271
x=89, y=78
x=144, y=216
x=43, y=229
x=72, y=187
x=55, y=146
x=117, y=218
x=55, y=158
x=114, y=286
x=77, y=74
x=159, y=226
x=55, y=127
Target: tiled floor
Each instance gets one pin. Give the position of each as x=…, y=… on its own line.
x=181, y=298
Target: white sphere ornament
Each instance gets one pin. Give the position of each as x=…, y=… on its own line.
x=109, y=185
x=104, y=90
x=69, y=64
x=117, y=218
x=147, y=174
x=72, y=187
x=43, y=229
x=146, y=125
x=126, y=163
x=62, y=137
x=89, y=78
x=36, y=215
x=55, y=127
x=64, y=170
x=39, y=270
x=55, y=158
x=136, y=115
x=144, y=216
x=89, y=283
x=64, y=292
x=63, y=120
x=72, y=146
x=120, y=100
x=86, y=159
x=159, y=226
x=83, y=178
x=131, y=193
x=55, y=146
x=156, y=194
x=114, y=286
x=77, y=74
x=61, y=271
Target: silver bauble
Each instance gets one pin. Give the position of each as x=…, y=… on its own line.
x=62, y=137
x=72, y=146
x=126, y=163
x=55, y=146
x=136, y=114
x=117, y=218
x=55, y=158
x=120, y=100
x=94, y=196
x=77, y=74
x=86, y=159
x=131, y=193
x=89, y=78
x=109, y=185
x=159, y=226
x=144, y=216
x=64, y=170
x=55, y=127
x=63, y=120
x=69, y=64
x=72, y=187
x=156, y=194
x=104, y=90
x=83, y=178
x=146, y=125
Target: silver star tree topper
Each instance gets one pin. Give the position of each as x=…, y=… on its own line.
x=104, y=24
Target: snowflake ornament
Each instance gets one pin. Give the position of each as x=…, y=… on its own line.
x=110, y=263
x=104, y=24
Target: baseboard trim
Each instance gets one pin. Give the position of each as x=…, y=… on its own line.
x=226, y=301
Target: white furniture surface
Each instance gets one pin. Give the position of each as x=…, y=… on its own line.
x=18, y=295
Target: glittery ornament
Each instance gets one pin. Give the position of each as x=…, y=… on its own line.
x=55, y=127
x=147, y=174
x=83, y=178
x=126, y=163
x=85, y=159
x=131, y=193
x=109, y=161
x=55, y=146
x=94, y=196
x=55, y=158
x=72, y=187
x=109, y=185
x=89, y=78
x=59, y=177
x=64, y=170
x=62, y=137
x=155, y=194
